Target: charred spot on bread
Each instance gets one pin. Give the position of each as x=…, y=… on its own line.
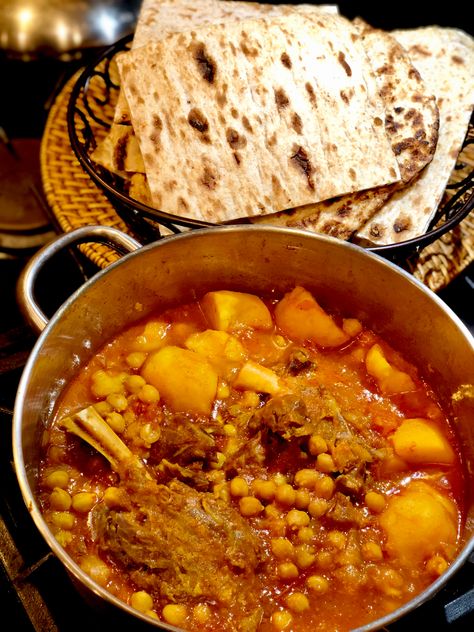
x=198, y=121
x=281, y=98
x=297, y=123
x=235, y=140
x=341, y=58
x=285, y=60
x=206, y=64
x=302, y=162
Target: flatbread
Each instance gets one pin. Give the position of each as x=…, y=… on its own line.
x=292, y=115
x=138, y=189
x=411, y=124
x=119, y=152
x=159, y=18
x=445, y=59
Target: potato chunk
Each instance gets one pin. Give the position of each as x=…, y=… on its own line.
x=389, y=379
x=418, y=523
x=231, y=311
x=186, y=381
x=153, y=337
x=255, y=377
x=300, y=317
x=224, y=351
x=418, y=441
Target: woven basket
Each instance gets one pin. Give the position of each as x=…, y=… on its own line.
x=76, y=201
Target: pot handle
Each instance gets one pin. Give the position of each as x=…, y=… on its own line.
x=112, y=237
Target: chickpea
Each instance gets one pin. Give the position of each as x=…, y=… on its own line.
x=118, y=401
x=318, y=507
x=288, y=570
x=302, y=499
x=304, y=556
x=83, y=501
x=57, y=478
x=239, y=487
x=229, y=430
x=391, y=583
x=280, y=479
x=264, y=489
x=324, y=560
x=64, y=538
x=152, y=614
x=115, y=421
x=63, y=520
x=351, y=326
x=306, y=478
x=141, y=600
x=285, y=494
x=436, y=565
x=135, y=360
x=59, y=499
x=250, y=399
x=296, y=518
x=282, y=548
x=96, y=569
x=375, y=502
x=324, y=487
x=104, y=384
x=202, y=613
x=325, y=463
x=250, y=506
x=175, y=613
x=150, y=433
x=298, y=602
x=103, y=408
x=281, y=619
x=149, y=394
x=113, y=497
x=371, y=552
x=305, y=534
x=317, y=445
x=56, y=454
x=318, y=584
x=271, y=511
x=336, y=539
x=221, y=491
x=134, y=383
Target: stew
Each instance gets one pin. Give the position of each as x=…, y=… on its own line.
x=246, y=464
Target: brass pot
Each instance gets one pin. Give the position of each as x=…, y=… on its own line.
x=256, y=259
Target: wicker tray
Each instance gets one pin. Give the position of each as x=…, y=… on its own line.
x=76, y=201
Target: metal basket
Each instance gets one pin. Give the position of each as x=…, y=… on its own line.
x=90, y=115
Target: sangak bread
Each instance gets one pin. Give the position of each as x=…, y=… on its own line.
x=119, y=152
x=411, y=123
x=445, y=59
x=257, y=116
x=158, y=18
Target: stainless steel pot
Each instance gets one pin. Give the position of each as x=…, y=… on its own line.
x=247, y=258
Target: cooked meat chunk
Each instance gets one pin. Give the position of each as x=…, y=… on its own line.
x=182, y=440
x=343, y=512
x=191, y=474
x=183, y=543
x=285, y=415
x=299, y=361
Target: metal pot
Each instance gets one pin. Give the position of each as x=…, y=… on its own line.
x=57, y=28
x=246, y=258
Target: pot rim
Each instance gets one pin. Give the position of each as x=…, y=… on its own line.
x=20, y=466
